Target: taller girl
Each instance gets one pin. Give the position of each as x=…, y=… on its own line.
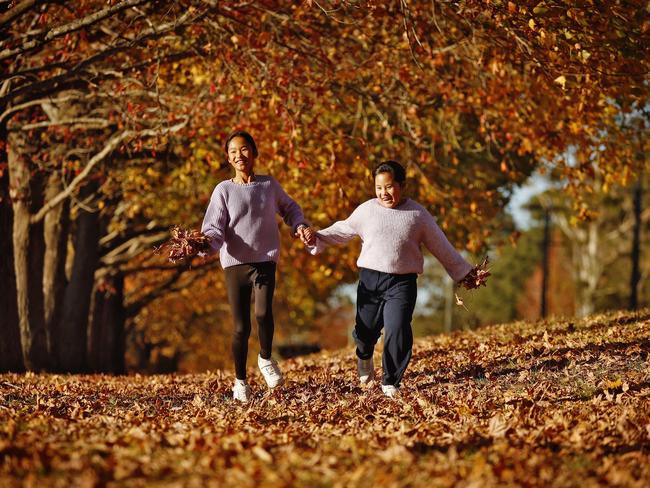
x=392, y=230
x=240, y=221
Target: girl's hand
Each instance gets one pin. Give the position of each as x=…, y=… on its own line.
x=307, y=235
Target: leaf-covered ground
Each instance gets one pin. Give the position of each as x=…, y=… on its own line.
x=555, y=403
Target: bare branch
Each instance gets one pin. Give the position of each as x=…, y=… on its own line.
x=405, y=17
x=131, y=248
x=116, y=238
x=68, y=98
x=617, y=234
x=86, y=122
x=112, y=144
x=31, y=103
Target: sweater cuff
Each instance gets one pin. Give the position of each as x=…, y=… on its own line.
x=463, y=274
x=318, y=248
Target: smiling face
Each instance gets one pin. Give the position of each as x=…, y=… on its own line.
x=241, y=155
x=388, y=191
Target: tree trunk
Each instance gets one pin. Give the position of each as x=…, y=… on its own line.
x=590, y=270
x=11, y=358
x=106, y=342
x=56, y=228
x=636, y=246
x=72, y=339
x=26, y=187
x=546, y=244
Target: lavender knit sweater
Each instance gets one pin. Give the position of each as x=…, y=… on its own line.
x=392, y=238
x=240, y=220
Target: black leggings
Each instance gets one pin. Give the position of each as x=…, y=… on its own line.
x=241, y=281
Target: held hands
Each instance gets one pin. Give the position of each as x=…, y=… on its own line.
x=307, y=235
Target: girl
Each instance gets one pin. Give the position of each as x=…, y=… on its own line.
x=240, y=222
x=392, y=229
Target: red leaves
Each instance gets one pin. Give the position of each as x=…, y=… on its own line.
x=184, y=244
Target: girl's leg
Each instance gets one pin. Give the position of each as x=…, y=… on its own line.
x=369, y=321
x=264, y=286
x=239, y=290
x=398, y=335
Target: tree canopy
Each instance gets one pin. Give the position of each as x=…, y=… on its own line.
x=112, y=116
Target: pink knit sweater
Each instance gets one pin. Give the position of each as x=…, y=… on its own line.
x=240, y=220
x=392, y=238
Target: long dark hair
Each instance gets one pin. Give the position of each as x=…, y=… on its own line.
x=394, y=168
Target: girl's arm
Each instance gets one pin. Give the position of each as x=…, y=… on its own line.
x=215, y=221
x=288, y=209
x=336, y=234
x=437, y=243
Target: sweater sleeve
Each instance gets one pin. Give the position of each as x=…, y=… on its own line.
x=438, y=244
x=216, y=220
x=338, y=233
x=288, y=209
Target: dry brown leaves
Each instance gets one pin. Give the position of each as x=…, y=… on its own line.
x=184, y=243
x=555, y=403
x=477, y=276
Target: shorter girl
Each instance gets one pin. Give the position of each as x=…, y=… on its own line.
x=392, y=230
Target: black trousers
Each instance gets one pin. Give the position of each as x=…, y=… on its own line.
x=387, y=301
x=241, y=282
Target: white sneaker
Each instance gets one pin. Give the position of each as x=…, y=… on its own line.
x=390, y=391
x=241, y=391
x=270, y=371
x=366, y=370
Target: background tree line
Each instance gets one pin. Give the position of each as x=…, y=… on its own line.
x=112, y=114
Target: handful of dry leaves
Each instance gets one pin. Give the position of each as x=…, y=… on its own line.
x=474, y=279
x=477, y=276
x=184, y=243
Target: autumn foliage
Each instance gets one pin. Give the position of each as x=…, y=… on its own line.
x=552, y=403
x=113, y=113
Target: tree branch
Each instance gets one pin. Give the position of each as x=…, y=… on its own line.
x=112, y=144
x=55, y=82
x=116, y=238
x=166, y=287
x=16, y=11
x=131, y=248
x=31, y=103
x=73, y=26
x=87, y=122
